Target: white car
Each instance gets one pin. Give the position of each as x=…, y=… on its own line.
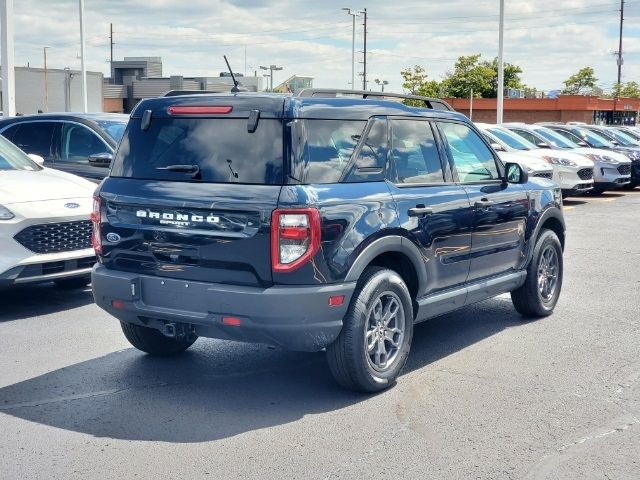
x=511, y=152
x=45, y=230
x=572, y=171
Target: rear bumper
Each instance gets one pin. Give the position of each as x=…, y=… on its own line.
x=296, y=318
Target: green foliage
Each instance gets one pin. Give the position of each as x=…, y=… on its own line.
x=627, y=90
x=416, y=82
x=469, y=74
x=511, y=77
x=581, y=83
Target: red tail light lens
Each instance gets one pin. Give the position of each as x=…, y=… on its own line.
x=295, y=238
x=199, y=110
x=96, y=219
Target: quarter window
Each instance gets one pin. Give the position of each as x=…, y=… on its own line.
x=414, y=152
x=473, y=160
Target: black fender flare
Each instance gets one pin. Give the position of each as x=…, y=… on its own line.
x=390, y=244
x=551, y=212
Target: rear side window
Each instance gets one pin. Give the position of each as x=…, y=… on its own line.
x=207, y=150
x=414, y=152
x=322, y=148
x=35, y=137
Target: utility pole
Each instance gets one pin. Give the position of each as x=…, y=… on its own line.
x=82, y=66
x=500, y=101
x=471, y=105
x=364, y=58
x=620, y=44
x=8, y=71
x=46, y=81
x=111, y=50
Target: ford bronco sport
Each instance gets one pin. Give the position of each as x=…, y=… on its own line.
x=324, y=220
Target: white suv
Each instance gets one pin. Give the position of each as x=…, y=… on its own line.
x=45, y=230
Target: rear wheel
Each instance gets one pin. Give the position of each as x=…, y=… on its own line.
x=153, y=342
x=538, y=296
x=375, y=340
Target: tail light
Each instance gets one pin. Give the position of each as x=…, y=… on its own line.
x=295, y=237
x=96, y=218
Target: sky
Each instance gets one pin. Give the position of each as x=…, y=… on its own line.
x=548, y=39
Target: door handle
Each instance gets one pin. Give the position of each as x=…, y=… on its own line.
x=484, y=203
x=420, y=211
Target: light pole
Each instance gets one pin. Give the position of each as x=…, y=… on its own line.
x=271, y=69
x=82, y=66
x=8, y=71
x=382, y=83
x=500, y=102
x=354, y=14
x=46, y=80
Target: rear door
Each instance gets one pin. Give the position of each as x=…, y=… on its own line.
x=191, y=197
x=431, y=207
x=500, y=209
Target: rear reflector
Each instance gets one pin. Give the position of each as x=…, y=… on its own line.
x=233, y=321
x=198, y=110
x=119, y=304
x=336, y=300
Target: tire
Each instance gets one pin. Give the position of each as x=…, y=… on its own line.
x=353, y=366
x=151, y=341
x=72, y=283
x=538, y=296
x=597, y=191
x=630, y=186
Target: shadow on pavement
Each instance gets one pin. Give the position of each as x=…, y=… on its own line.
x=26, y=301
x=218, y=389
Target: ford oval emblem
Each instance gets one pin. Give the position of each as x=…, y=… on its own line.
x=113, y=237
x=72, y=205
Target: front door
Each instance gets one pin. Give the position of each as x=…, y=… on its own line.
x=431, y=207
x=500, y=209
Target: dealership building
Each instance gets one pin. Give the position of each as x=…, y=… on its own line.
x=563, y=108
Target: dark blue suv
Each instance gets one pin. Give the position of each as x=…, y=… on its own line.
x=325, y=220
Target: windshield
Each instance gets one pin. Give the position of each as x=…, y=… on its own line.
x=556, y=140
x=202, y=150
x=622, y=138
x=114, y=129
x=12, y=158
x=592, y=138
x=511, y=139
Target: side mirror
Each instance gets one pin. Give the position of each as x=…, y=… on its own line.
x=36, y=158
x=615, y=142
x=542, y=145
x=497, y=147
x=514, y=173
x=101, y=159
x=582, y=143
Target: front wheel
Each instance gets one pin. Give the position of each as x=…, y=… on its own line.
x=375, y=340
x=538, y=296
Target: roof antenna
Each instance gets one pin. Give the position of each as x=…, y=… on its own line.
x=235, y=88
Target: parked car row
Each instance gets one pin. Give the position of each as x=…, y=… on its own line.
x=583, y=158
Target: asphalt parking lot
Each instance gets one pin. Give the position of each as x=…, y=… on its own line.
x=485, y=395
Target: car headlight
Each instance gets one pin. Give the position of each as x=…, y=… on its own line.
x=601, y=158
x=560, y=161
x=5, y=213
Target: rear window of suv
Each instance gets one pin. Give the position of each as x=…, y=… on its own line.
x=222, y=150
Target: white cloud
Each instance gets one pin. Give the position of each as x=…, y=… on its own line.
x=550, y=40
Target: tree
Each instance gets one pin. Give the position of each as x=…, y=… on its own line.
x=416, y=83
x=581, y=83
x=469, y=74
x=511, y=77
x=628, y=90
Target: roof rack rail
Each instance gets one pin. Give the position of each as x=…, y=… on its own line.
x=434, y=103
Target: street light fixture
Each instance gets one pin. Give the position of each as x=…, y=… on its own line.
x=271, y=69
x=354, y=14
x=382, y=83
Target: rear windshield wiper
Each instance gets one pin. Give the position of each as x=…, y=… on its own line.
x=193, y=170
